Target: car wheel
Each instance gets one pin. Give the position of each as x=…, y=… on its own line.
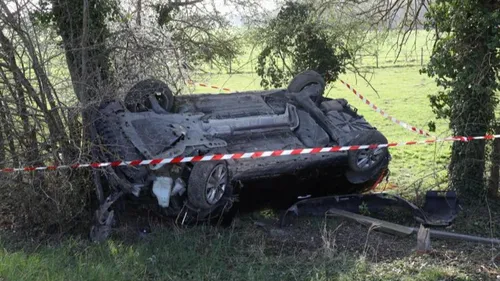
x=208, y=184
x=148, y=95
x=306, y=78
x=363, y=160
x=118, y=146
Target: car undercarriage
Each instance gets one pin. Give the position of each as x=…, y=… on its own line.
x=151, y=123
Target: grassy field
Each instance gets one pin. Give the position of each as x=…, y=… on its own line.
x=254, y=248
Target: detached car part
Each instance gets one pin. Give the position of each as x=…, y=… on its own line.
x=152, y=123
x=440, y=207
x=401, y=230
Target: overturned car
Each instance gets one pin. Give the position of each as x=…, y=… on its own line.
x=151, y=123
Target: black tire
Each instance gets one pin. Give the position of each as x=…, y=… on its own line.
x=303, y=79
x=137, y=99
x=198, y=184
x=373, y=156
x=117, y=145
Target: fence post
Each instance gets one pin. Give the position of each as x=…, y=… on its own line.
x=422, y=56
x=376, y=58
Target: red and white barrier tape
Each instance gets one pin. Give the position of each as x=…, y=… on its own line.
x=383, y=113
x=209, y=86
x=246, y=155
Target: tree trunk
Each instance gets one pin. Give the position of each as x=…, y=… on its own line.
x=472, y=114
x=82, y=27
x=139, y=11
x=2, y=149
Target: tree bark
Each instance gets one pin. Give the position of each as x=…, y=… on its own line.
x=139, y=11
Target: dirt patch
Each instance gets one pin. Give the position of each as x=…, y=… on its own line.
x=338, y=237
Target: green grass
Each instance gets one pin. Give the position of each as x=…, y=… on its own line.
x=415, y=52
x=244, y=252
